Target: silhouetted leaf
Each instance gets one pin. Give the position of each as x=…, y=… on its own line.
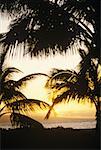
x=24, y=121
x=21, y=104
x=29, y=77
x=9, y=71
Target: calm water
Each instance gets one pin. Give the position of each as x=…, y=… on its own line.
x=75, y=124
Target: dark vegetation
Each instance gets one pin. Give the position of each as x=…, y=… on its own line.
x=29, y=138
x=14, y=100
x=79, y=85
x=40, y=25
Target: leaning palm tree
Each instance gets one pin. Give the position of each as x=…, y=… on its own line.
x=84, y=84
x=14, y=86
x=11, y=96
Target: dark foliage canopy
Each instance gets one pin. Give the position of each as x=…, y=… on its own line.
x=41, y=24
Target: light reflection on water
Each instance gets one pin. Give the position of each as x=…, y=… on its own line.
x=74, y=125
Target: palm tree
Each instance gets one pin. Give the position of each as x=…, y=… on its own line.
x=13, y=85
x=84, y=84
x=8, y=84
x=43, y=25
x=10, y=94
x=40, y=25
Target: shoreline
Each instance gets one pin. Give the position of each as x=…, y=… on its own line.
x=75, y=124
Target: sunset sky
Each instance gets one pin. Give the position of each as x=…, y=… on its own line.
x=35, y=89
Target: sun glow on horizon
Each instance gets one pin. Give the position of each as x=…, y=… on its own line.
x=35, y=89
x=72, y=109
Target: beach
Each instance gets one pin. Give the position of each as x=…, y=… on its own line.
x=72, y=133
x=29, y=138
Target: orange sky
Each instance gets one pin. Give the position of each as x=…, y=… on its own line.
x=35, y=89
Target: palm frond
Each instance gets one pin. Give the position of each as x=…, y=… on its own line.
x=8, y=96
x=59, y=75
x=56, y=24
x=21, y=104
x=23, y=80
x=49, y=112
x=66, y=75
x=2, y=58
x=57, y=86
x=57, y=100
x=9, y=71
x=14, y=7
x=67, y=85
x=7, y=84
x=18, y=94
x=82, y=53
x=24, y=121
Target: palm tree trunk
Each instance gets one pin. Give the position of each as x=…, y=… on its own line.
x=98, y=119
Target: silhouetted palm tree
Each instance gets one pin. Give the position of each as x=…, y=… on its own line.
x=14, y=86
x=10, y=94
x=42, y=24
x=84, y=84
x=7, y=85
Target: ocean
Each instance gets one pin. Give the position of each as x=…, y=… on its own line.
x=72, y=124
x=75, y=124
